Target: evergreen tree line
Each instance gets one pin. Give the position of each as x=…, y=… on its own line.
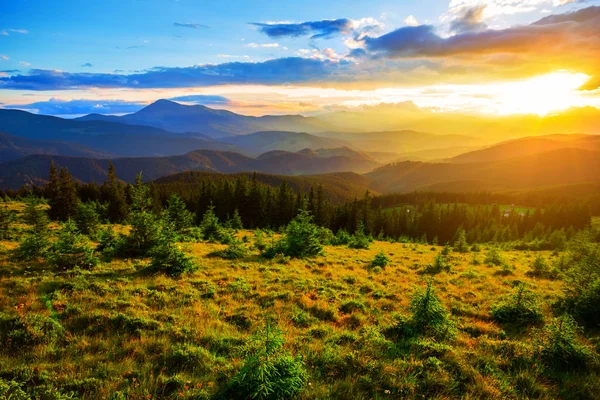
x=428, y=217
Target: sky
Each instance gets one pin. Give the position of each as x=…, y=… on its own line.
x=261, y=57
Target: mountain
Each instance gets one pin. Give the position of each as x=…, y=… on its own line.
x=175, y=117
x=106, y=137
x=260, y=142
x=13, y=147
x=557, y=167
x=34, y=169
x=406, y=142
x=529, y=145
x=337, y=187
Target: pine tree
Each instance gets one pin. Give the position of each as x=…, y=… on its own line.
x=67, y=200
x=6, y=218
x=115, y=193
x=52, y=190
x=178, y=214
x=87, y=219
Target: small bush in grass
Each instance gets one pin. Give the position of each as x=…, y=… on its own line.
x=493, y=257
x=429, y=316
x=521, y=308
x=234, y=251
x=72, y=249
x=359, y=240
x=268, y=371
x=558, y=347
x=541, y=269
x=11, y=390
x=380, y=260
x=342, y=238
x=167, y=257
x=326, y=237
x=178, y=214
x=259, y=240
x=352, y=305
x=440, y=263
x=87, y=219
x=301, y=239
x=460, y=243
x=34, y=247
x=18, y=333
x=6, y=219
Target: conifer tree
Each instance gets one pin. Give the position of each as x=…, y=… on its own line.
x=67, y=200
x=52, y=190
x=115, y=193
x=178, y=214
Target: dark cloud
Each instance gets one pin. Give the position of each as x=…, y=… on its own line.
x=79, y=107
x=318, y=29
x=277, y=71
x=192, y=26
x=574, y=32
x=470, y=21
x=87, y=65
x=201, y=99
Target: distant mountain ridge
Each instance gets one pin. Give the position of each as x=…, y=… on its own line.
x=34, y=169
x=181, y=118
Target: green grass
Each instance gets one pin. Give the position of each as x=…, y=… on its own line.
x=117, y=330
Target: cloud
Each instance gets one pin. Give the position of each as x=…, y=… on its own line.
x=56, y=106
x=470, y=21
x=7, y=32
x=411, y=21
x=202, y=99
x=3, y=57
x=25, y=64
x=192, y=26
x=318, y=29
x=87, y=65
x=265, y=45
x=276, y=71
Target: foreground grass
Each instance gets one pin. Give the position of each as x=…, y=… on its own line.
x=119, y=332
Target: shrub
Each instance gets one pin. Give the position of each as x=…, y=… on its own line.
x=87, y=219
x=352, y=305
x=558, y=348
x=259, y=240
x=178, y=215
x=108, y=242
x=268, y=372
x=35, y=216
x=326, y=237
x=301, y=239
x=429, y=316
x=460, y=243
x=12, y=390
x=235, y=222
x=234, y=251
x=210, y=226
x=380, y=260
x=521, y=308
x=34, y=247
x=440, y=263
x=6, y=219
x=342, y=237
x=22, y=332
x=541, y=269
x=72, y=249
x=493, y=257
x=586, y=305
x=359, y=240
x=167, y=257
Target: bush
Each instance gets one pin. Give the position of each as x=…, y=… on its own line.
x=259, y=240
x=541, y=269
x=520, y=308
x=35, y=216
x=342, y=238
x=12, y=390
x=18, y=333
x=87, y=219
x=380, y=260
x=6, y=219
x=460, y=243
x=167, y=257
x=234, y=251
x=493, y=257
x=72, y=249
x=34, y=247
x=210, y=226
x=108, y=242
x=558, y=348
x=268, y=372
x=326, y=237
x=178, y=215
x=359, y=240
x=586, y=305
x=440, y=263
x=301, y=239
x=429, y=316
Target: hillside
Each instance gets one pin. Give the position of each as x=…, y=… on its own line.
x=558, y=167
x=338, y=187
x=529, y=145
x=34, y=169
x=261, y=142
x=13, y=147
x=175, y=117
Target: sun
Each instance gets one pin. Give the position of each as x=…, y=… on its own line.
x=540, y=95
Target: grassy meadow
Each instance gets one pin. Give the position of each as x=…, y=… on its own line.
x=121, y=331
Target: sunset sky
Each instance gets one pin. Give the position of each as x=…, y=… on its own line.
x=263, y=57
